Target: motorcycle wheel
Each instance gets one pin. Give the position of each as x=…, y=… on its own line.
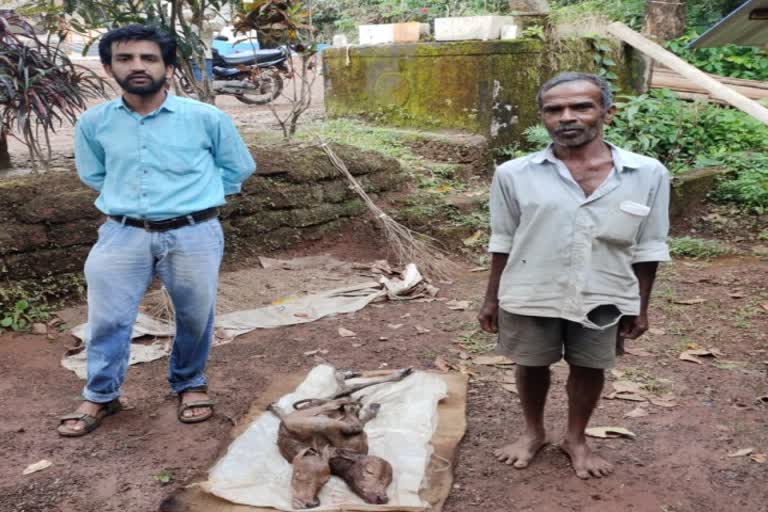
x=271, y=89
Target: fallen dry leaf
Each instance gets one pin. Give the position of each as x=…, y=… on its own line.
x=311, y=352
x=665, y=401
x=762, y=399
x=458, y=305
x=637, y=412
x=394, y=326
x=512, y=388
x=760, y=458
x=491, y=360
x=690, y=302
x=463, y=355
x=741, y=453
x=466, y=370
x=472, y=240
x=478, y=269
x=657, y=332
x=627, y=386
x=609, y=432
x=346, y=333
x=764, y=306
x=442, y=365
x=685, y=356
x=632, y=397
x=422, y=330
x=37, y=466
x=693, y=354
x=637, y=352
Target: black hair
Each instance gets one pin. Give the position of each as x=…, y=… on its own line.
x=165, y=41
x=569, y=76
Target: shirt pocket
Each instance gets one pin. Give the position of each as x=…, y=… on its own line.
x=620, y=225
x=183, y=159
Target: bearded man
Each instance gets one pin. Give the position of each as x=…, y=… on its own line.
x=577, y=231
x=162, y=166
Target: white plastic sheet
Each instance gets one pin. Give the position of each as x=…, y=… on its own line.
x=254, y=473
x=297, y=311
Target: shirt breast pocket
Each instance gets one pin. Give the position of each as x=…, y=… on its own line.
x=620, y=225
x=183, y=159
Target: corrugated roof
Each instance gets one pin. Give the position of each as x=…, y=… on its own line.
x=746, y=26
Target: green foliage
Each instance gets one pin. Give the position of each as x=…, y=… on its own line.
x=602, y=54
x=40, y=87
x=697, y=248
x=680, y=133
x=164, y=477
x=749, y=186
x=730, y=60
x=22, y=315
x=630, y=12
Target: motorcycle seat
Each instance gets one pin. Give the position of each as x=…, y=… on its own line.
x=249, y=57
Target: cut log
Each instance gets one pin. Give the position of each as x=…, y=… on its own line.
x=665, y=78
x=667, y=58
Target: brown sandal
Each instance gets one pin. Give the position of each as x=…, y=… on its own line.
x=91, y=422
x=185, y=406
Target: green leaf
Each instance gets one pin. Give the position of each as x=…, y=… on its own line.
x=164, y=477
x=6, y=322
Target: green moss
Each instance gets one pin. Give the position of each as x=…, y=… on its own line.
x=485, y=87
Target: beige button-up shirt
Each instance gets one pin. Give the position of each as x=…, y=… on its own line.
x=569, y=253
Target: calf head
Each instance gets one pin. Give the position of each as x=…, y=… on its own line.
x=367, y=475
x=311, y=472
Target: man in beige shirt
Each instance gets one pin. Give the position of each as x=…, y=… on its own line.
x=577, y=231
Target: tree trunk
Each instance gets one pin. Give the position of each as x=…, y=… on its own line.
x=5, y=156
x=664, y=19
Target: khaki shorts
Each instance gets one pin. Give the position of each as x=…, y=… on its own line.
x=542, y=341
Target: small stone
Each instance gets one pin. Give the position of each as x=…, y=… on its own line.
x=39, y=329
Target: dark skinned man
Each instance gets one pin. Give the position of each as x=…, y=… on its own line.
x=577, y=231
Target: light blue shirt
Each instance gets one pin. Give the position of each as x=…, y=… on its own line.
x=182, y=158
x=569, y=252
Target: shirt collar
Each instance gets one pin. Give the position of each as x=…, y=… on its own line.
x=622, y=159
x=170, y=104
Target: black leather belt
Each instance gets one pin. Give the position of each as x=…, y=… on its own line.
x=167, y=224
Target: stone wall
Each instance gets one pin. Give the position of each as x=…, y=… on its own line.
x=482, y=87
x=48, y=222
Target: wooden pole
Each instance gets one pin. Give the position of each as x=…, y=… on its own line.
x=714, y=87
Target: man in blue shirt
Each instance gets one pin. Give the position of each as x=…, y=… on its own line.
x=162, y=166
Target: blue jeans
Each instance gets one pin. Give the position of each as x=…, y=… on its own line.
x=120, y=268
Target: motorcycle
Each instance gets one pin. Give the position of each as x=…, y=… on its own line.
x=254, y=77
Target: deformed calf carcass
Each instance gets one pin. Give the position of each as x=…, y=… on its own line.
x=327, y=436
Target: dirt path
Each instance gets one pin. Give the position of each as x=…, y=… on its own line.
x=678, y=462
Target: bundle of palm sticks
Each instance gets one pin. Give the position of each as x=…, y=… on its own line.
x=406, y=245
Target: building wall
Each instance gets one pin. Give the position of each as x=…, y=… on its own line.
x=482, y=87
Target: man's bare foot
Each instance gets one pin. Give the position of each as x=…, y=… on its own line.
x=520, y=453
x=86, y=407
x=193, y=396
x=585, y=462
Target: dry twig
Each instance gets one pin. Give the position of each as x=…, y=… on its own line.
x=407, y=245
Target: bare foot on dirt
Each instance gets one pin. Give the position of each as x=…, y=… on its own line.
x=191, y=396
x=520, y=453
x=585, y=462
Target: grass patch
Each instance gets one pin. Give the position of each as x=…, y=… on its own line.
x=648, y=381
x=477, y=341
x=697, y=248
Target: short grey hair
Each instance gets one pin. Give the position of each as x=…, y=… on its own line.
x=570, y=76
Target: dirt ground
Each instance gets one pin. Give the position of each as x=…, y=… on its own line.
x=679, y=460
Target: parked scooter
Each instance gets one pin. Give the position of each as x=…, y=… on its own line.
x=253, y=77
